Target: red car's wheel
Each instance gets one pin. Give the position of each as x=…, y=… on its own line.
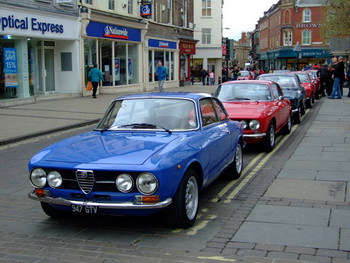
x=268, y=143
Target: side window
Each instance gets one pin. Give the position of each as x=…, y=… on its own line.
x=207, y=112
x=220, y=112
x=275, y=92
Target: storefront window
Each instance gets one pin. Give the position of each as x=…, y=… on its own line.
x=167, y=58
x=133, y=55
x=120, y=63
x=89, y=55
x=8, y=69
x=150, y=66
x=106, y=62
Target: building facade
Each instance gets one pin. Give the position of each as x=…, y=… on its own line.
x=208, y=30
x=290, y=35
x=39, y=49
x=242, y=50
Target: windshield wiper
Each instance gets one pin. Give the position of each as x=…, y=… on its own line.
x=144, y=126
x=238, y=98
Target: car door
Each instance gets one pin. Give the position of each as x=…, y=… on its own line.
x=217, y=136
x=282, y=111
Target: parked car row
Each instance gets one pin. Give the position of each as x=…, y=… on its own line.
x=153, y=153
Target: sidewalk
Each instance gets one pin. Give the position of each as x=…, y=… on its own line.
x=30, y=120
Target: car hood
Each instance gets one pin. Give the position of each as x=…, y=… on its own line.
x=246, y=110
x=113, y=148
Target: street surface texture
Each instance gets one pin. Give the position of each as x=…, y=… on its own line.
x=284, y=209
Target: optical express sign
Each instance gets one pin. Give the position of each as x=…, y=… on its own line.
x=16, y=23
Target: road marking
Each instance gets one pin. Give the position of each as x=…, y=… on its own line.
x=200, y=226
x=219, y=258
x=242, y=184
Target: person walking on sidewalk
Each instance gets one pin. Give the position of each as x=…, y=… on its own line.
x=211, y=77
x=325, y=80
x=204, y=75
x=161, y=73
x=95, y=75
x=338, y=73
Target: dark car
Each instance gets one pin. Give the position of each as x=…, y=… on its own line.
x=292, y=90
x=309, y=86
x=149, y=153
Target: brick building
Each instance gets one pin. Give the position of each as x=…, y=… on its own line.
x=242, y=49
x=290, y=35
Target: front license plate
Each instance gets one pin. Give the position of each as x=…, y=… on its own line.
x=85, y=209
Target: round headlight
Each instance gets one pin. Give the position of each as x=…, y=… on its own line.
x=38, y=177
x=147, y=183
x=124, y=183
x=244, y=124
x=254, y=124
x=54, y=179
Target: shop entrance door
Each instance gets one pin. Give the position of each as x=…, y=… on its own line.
x=46, y=63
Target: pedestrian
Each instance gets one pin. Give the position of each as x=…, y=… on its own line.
x=204, y=75
x=235, y=73
x=95, y=75
x=161, y=73
x=211, y=77
x=325, y=81
x=338, y=73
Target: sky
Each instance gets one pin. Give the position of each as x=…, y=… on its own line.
x=242, y=15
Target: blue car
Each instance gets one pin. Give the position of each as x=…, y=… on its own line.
x=149, y=153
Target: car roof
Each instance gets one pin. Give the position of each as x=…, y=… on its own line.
x=268, y=82
x=184, y=95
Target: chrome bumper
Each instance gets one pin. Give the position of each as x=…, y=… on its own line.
x=254, y=136
x=125, y=205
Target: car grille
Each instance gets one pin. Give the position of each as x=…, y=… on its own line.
x=85, y=180
x=96, y=181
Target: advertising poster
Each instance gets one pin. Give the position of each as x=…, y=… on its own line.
x=10, y=68
x=130, y=68
x=117, y=68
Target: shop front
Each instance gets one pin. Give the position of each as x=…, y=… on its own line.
x=292, y=60
x=117, y=52
x=166, y=52
x=187, y=49
x=39, y=54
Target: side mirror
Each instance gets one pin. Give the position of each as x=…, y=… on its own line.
x=280, y=98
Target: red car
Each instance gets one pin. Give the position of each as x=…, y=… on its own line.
x=309, y=86
x=245, y=75
x=260, y=107
x=316, y=81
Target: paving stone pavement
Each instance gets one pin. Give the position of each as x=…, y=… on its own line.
x=293, y=211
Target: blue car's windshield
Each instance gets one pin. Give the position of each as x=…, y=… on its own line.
x=150, y=113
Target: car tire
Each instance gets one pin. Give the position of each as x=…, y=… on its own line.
x=309, y=102
x=287, y=128
x=302, y=109
x=317, y=95
x=268, y=143
x=53, y=212
x=182, y=213
x=235, y=168
x=297, y=115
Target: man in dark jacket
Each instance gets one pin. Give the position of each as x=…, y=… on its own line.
x=325, y=81
x=338, y=74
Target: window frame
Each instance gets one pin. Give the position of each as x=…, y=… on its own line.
x=304, y=37
x=206, y=36
x=306, y=15
x=206, y=8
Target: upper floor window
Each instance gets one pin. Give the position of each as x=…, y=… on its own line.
x=206, y=35
x=306, y=37
x=307, y=15
x=90, y=2
x=130, y=7
x=287, y=38
x=206, y=7
x=287, y=17
x=111, y=4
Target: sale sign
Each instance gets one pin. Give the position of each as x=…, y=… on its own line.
x=10, y=68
